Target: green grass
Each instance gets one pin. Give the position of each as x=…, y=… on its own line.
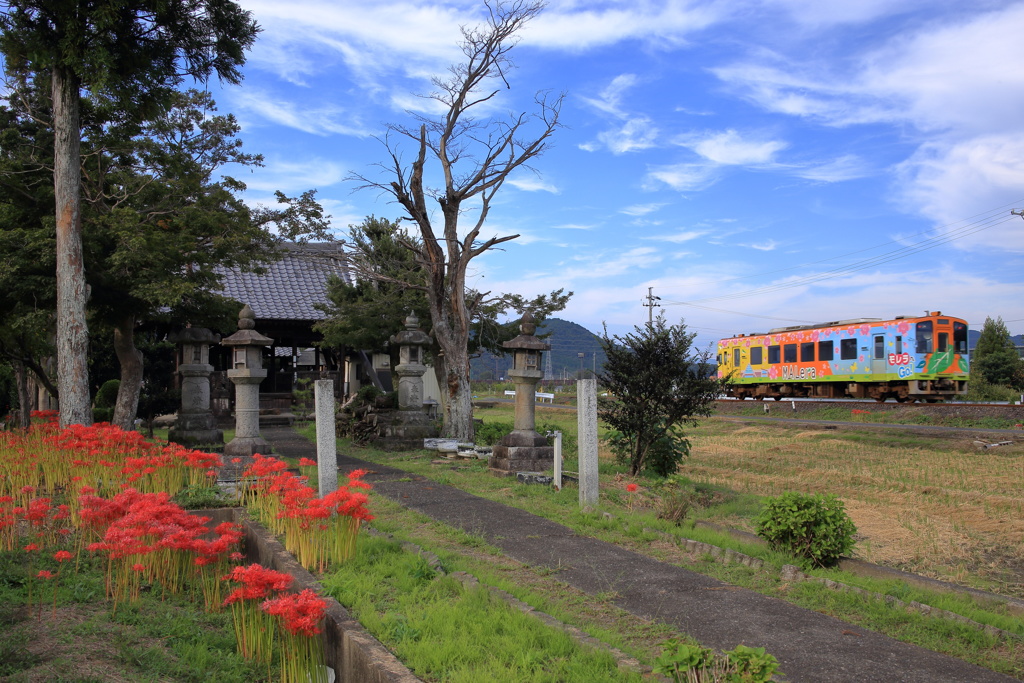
x=444, y=631
x=163, y=637
x=627, y=529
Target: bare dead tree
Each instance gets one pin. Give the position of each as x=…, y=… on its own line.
x=474, y=156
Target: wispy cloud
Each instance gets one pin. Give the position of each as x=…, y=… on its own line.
x=573, y=226
x=768, y=245
x=291, y=176
x=846, y=167
x=642, y=209
x=730, y=148
x=317, y=121
x=682, y=177
x=678, y=237
x=532, y=184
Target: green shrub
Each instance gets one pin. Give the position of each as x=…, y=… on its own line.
x=490, y=433
x=106, y=397
x=812, y=527
x=684, y=663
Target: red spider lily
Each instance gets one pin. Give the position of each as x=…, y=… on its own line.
x=306, y=462
x=253, y=627
x=632, y=488
x=302, y=652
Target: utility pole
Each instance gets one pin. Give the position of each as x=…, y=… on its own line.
x=650, y=305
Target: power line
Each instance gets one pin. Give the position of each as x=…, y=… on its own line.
x=989, y=215
x=864, y=264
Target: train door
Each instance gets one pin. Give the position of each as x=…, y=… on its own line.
x=878, y=362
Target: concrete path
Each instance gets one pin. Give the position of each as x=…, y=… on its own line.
x=809, y=646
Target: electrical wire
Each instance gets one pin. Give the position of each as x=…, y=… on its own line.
x=857, y=266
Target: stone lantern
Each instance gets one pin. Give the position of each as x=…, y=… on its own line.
x=409, y=425
x=196, y=424
x=410, y=368
x=524, y=450
x=246, y=372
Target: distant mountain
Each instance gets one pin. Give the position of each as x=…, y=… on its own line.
x=972, y=339
x=567, y=340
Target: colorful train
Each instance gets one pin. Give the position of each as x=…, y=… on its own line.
x=906, y=358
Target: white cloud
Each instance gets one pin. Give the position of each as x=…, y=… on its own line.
x=768, y=245
x=947, y=183
x=609, y=100
x=316, y=121
x=677, y=238
x=642, y=209
x=846, y=167
x=730, y=148
x=635, y=134
x=682, y=177
x=573, y=226
x=292, y=176
x=532, y=184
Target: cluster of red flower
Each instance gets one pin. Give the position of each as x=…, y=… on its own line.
x=317, y=530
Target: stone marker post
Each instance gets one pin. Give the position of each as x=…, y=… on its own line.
x=246, y=373
x=326, y=439
x=558, y=460
x=196, y=424
x=586, y=421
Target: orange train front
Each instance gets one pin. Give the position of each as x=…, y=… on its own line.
x=906, y=358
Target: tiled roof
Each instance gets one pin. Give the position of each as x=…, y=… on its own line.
x=290, y=287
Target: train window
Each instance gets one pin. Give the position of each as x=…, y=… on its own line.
x=773, y=355
x=789, y=353
x=899, y=345
x=943, y=341
x=847, y=349
x=960, y=337
x=825, y=350
x=756, y=355
x=736, y=357
x=879, y=346
x=807, y=352
x=943, y=321
x=924, y=337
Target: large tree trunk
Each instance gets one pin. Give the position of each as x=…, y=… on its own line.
x=130, y=359
x=24, y=399
x=72, y=332
x=453, y=338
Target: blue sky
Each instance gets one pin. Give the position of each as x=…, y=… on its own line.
x=759, y=163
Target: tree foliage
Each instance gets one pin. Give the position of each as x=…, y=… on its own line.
x=134, y=53
x=472, y=158
x=995, y=359
x=657, y=383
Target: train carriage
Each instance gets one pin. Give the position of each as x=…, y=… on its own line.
x=907, y=358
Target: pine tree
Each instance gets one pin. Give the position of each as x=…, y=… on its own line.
x=995, y=359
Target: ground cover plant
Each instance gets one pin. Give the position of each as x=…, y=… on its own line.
x=97, y=499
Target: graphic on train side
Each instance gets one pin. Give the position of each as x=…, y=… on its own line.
x=906, y=358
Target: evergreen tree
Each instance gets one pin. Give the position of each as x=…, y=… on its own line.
x=656, y=383
x=995, y=359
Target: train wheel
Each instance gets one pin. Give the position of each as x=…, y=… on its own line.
x=902, y=399
x=777, y=398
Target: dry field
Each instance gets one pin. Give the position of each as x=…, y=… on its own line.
x=934, y=506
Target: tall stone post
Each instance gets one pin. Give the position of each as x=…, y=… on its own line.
x=326, y=437
x=586, y=421
x=196, y=425
x=524, y=449
x=246, y=373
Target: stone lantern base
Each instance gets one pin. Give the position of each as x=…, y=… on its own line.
x=242, y=449
x=522, y=451
x=399, y=430
x=196, y=429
